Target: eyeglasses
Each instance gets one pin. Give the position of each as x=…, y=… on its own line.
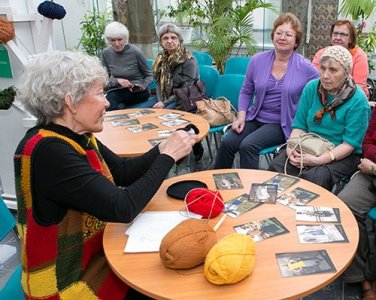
x=340, y=34
x=287, y=34
x=166, y=38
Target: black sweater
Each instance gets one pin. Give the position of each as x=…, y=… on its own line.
x=62, y=179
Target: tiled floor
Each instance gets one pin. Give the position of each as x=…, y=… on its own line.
x=337, y=290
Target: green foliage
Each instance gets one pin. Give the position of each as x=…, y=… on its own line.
x=92, y=27
x=367, y=41
x=226, y=24
x=7, y=97
x=358, y=8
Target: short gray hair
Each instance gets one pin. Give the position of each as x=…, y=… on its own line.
x=116, y=30
x=50, y=76
x=172, y=28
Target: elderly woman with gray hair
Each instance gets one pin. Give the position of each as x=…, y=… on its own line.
x=69, y=184
x=173, y=67
x=127, y=68
x=335, y=108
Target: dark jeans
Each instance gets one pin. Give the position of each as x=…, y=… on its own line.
x=122, y=98
x=255, y=137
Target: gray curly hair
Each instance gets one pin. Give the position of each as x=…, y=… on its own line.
x=50, y=76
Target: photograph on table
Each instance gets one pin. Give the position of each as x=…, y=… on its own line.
x=282, y=181
x=297, y=197
x=321, y=233
x=124, y=122
x=227, y=181
x=175, y=122
x=116, y=117
x=239, y=205
x=155, y=142
x=262, y=230
x=140, y=128
x=264, y=193
x=317, y=214
x=169, y=116
x=304, y=263
x=140, y=113
x=165, y=133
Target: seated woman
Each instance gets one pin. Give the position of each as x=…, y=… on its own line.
x=268, y=97
x=343, y=33
x=360, y=196
x=127, y=68
x=173, y=67
x=335, y=108
x=69, y=184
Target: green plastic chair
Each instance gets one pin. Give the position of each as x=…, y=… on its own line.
x=228, y=85
x=12, y=288
x=209, y=75
x=237, y=65
x=203, y=58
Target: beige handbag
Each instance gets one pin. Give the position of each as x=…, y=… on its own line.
x=309, y=143
x=217, y=112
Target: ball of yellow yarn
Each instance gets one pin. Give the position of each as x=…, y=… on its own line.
x=230, y=260
x=187, y=244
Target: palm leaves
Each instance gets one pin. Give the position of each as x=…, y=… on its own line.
x=226, y=24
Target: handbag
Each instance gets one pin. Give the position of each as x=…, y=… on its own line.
x=217, y=112
x=188, y=95
x=308, y=143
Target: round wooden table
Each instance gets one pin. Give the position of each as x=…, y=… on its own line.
x=145, y=272
x=127, y=144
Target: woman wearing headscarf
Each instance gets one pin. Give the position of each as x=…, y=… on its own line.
x=335, y=108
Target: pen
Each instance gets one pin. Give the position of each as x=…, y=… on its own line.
x=220, y=222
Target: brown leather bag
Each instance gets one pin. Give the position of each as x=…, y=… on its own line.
x=217, y=112
x=188, y=95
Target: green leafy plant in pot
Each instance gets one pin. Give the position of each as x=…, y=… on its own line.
x=225, y=23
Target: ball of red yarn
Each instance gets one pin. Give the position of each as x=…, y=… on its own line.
x=204, y=202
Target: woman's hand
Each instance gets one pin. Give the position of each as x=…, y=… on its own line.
x=366, y=166
x=124, y=82
x=178, y=145
x=307, y=160
x=238, y=124
x=159, y=104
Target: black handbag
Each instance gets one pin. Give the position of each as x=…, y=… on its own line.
x=188, y=95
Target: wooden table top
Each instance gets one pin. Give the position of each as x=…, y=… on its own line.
x=126, y=143
x=145, y=272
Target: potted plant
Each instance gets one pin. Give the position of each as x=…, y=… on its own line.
x=92, y=27
x=225, y=24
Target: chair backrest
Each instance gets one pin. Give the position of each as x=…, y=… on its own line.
x=203, y=58
x=12, y=288
x=153, y=84
x=209, y=75
x=229, y=85
x=237, y=65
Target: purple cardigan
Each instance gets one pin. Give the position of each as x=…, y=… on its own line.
x=299, y=72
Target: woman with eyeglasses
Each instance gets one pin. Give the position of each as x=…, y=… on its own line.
x=127, y=68
x=173, y=67
x=343, y=33
x=269, y=97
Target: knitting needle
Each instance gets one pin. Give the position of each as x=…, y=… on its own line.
x=220, y=222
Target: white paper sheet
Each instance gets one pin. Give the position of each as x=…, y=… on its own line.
x=149, y=228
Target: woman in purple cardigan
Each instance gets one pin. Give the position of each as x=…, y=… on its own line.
x=274, y=81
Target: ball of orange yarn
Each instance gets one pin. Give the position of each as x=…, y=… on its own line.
x=204, y=202
x=230, y=260
x=186, y=245
x=6, y=31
